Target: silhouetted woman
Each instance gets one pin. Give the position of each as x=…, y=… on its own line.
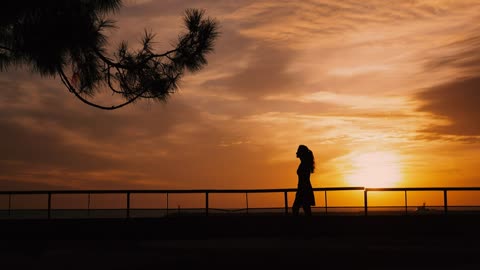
x=304, y=197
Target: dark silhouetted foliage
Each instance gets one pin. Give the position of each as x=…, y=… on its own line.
x=66, y=38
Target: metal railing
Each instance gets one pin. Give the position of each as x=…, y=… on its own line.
x=406, y=189
x=207, y=192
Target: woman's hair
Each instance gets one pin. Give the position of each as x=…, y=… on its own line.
x=307, y=157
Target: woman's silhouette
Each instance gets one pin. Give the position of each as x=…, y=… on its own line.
x=304, y=197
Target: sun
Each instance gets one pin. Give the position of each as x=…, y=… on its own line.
x=374, y=169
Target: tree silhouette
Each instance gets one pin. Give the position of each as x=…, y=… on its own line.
x=66, y=39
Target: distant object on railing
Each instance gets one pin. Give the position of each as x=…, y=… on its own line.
x=424, y=209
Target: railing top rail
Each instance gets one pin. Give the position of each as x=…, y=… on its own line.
x=424, y=189
x=123, y=191
x=164, y=191
x=337, y=188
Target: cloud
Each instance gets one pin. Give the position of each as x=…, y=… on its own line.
x=266, y=72
x=301, y=22
x=462, y=53
x=455, y=99
x=351, y=101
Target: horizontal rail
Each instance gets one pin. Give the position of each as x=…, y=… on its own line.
x=425, y=189
x=124, y=191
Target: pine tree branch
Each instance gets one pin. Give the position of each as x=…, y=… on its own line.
x=72, y=89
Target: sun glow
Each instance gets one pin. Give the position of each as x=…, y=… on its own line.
x=374, y=169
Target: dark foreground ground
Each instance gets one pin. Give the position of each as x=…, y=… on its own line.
x=244, y=242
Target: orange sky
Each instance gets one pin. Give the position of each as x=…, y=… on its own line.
x=385, y=93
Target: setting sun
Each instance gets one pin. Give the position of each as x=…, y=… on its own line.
x=374, y=169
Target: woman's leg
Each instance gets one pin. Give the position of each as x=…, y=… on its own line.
x=296, y=207
x=307, y=209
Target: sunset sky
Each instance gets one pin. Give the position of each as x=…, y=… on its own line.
x=385, y=93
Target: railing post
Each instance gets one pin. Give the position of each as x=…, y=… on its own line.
x=167, y=203
x=128, y=204
x=9, y=203
x=445, y=203
x=365, y=201
x=406, y=209
x=246, y=200
x=285, y=195
x=88, y=205
x=326, y=204
x=49, y=204
x=206, y=203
